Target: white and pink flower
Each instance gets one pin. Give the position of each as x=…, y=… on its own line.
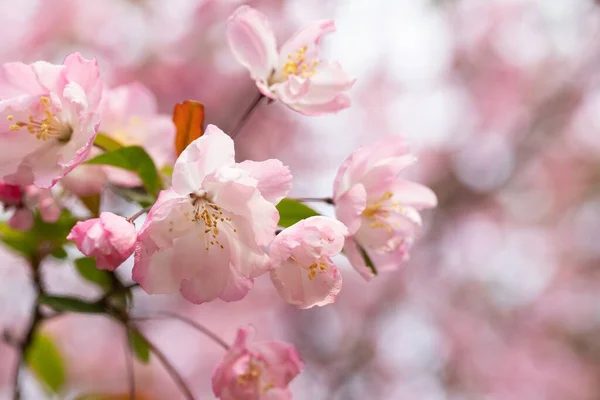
x=204, y=236
x=293, y=75
x=256, y=371
x=303, y=272
x=49, y=117
x=110, y=239
x=380, y=209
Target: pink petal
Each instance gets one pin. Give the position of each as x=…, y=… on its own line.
x=309, y=36
x=237, y=286
x=356, y=259
x=203, y=156
x=211, y=281
x=274, y=178
x=252, y=42
x=414, y=195
x=338, y=103
x=350, y=206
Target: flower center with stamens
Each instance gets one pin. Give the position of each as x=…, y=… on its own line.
x=212, y=216
x=252, y=376
x=314, y=268
x=378, y=212
x=48, y=128
x=297, y=64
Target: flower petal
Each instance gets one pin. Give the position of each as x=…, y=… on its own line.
x=309, y=36
x=203, y=156
x=274, y=178
x=356, y=259
x=252, y=42
x=414, y=195
x=350, y=206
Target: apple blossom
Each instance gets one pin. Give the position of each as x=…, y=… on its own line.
x=256, y=371
x=303, y=272
x=109, y=238
x=48, y=118
x=293, y=75
x=380, y=210
x=203, y=236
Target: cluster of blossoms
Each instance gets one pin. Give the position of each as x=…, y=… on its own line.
x=215, y=230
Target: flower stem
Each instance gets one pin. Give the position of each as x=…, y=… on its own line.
x=139, y=214
x=246, y=116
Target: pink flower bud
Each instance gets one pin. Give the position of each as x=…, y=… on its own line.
x=256, y=371
x=110, y=239
x=10, y=195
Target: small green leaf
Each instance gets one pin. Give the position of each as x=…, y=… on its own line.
x=43, y=236
x=46, y=362
x=106, y=143
x=139, y=345
x=92, y=203
x=88, y=271
x=59, y=253
x=70, y=304
x=133, y=158
x=292, y=211
x=367, y=259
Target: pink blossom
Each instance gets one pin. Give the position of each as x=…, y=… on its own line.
x=303, y=271
x=203, y=236
x=21, y=220
x=44, y=200
x=130, y=116
x=293, y=75
x=256, y=371
x=48, y=118
x=110, y=239
x=10, y=195
x=380, y=210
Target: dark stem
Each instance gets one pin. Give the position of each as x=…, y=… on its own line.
x=170, y=369
x=327, y=200
x=129, y=366
x=210, y=334
x=139, y=214
x=36, y=319
x=246, y=116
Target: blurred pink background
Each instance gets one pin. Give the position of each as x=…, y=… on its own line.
x=500, y=99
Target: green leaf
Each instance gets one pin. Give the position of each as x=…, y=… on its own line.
x=46, y=362
x=59, y=253
x=92, y=203
x=135, y=159
x=88, y=271
x=70, y=304
x=139, y=345
x=367, y=259
x=42, y=237
x=106, y=143
x=292, y=211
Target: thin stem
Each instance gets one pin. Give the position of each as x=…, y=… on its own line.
x=170, y=369
x=36, y=319
x=129, y=365
x=210, y=334
x=246, y=116
x=327, y=200
x=139, y=214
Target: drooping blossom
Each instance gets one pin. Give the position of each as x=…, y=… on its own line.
x=303, y=272
x=256, y=371
x=49, y=116
x=293, y=75
x=380, y=209
x=109, y=238
x=203, y=236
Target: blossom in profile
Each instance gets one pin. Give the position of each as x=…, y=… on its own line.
x=110, y=239
x=49, y=117
x=303, y=272
x=380, y=209
x=256, y=371
x=294, y=74
x=205, y=236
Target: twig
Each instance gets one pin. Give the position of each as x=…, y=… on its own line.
x=246, y=116
x=139, y=214
x=193, y=324
x=170, y=369
x=36, y=319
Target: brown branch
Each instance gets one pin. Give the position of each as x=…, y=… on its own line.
x=246, y=116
